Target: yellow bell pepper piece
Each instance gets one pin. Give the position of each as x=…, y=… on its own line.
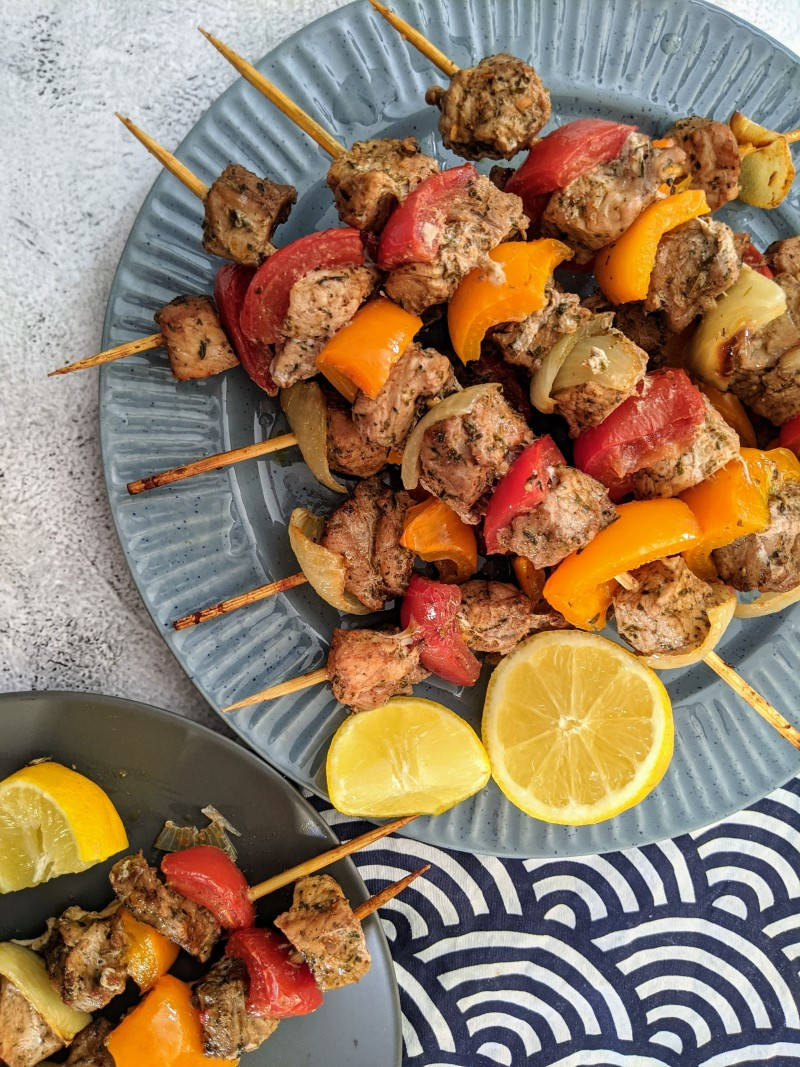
x=434, y=532
x=148, y=954
x=786, y=461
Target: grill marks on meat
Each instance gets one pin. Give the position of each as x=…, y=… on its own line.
x=526, y=343
x=593, y=210
x=320, y=303
x=420, y=375
x=463, y=456
x=322, y=927
x=494, y=109
x=242, y=212
x=479, y=218
x=88, y=1048
x=695, y=263
x=768, y=561
x=220, y=997
x=714, y=444
x=349, y=452
x=366, y=531
x=83, y=953
x=495, y=617
x=370, y=180
x=196, y=344
x=712, y=157
x=668, y=609
x=575, y=509
x=367, y=667
x=139, y=888
x=25, y=1038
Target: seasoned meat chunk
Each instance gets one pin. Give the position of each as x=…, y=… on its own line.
x=366, y=531
x=495, y=617
x=768, y=561
x=714, y=444
x=88, y=1048
x=575, y=509
x=667, y=611
x=593, y=210
x=479, y=217
x=526, y=343
x=367, y=667
x=649, y=331
x=370, y=180
x=420, y=375
x=320, y=303
x=712, y=157
x=25, y=1038
x=495, y=109
x=695, y=263
x=139, y=888
x=83, y=952
x=242, y=212
x=348, y=452
x=464, y=456
x=322, y=927
x=220, y=997
x=194, y=339
x=783, y=257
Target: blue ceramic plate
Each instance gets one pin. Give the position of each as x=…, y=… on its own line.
x=207, y=538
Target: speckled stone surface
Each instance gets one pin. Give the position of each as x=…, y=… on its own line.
x=73, y=180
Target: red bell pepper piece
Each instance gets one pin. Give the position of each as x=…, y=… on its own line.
x=432, y=607
x=789, y=436
x=230, y=286
x=414, y=230
x=207, y=876
x=523, y=487
x=280, y=985
x=755, y=259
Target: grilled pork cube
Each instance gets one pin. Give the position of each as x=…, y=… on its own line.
x=370, y=180
x=83, y=952
x=88, y=1049
x=139, y=888
x=348, y=452
x=526, y=343
x=193, y=336
x=479, y=218
x=695, y=263
x=595, y=209
x=366, y=531
x=495, y=617
x=649, y=331
x=320, y=303
x=768, y=561
x=220, y=997
x=714, y=444
x=242, y=212
x=420, y=375
x=668, y=609
x=367, y=667
x=783, y=257
x=495, y=109
x=575, y=509
x=25, y=1038
x=322, y=927
x=464, y=456
x=712, y=157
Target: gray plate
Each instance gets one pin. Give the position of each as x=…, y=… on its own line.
x=156, y=766
x=208, y=538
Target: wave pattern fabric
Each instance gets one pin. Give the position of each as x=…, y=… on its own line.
x=683, y=953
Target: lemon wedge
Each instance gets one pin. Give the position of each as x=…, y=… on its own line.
x=408, y=757
x=577, y=728
x=53, y=821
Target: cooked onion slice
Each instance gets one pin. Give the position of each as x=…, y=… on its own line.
x=768, y=604
x=24, y=969
x=324, y=569
x=767, y=174
x=748, y=132
x=455, y=404
x=749, y=304
x=307, y=413
x=560, y=358
x=719, y=616
x=608, y=357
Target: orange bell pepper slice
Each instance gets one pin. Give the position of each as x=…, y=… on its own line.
x=732, y=410
x=531, y=579
x=362, y=354
x=786, y=461
x=581, y=585
x=484, y=298
x=623, y=269
x=163, y=1030
x=434, y=532
x=148, y=954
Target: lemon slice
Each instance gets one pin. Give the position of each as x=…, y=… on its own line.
x=577, y=728
x=53, y=821
x=408, y=757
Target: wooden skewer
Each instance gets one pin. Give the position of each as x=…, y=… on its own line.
x=792, y=135
x=387, y=894
x=283, y=102
x=326, y=859
x=240, y=601
x=173, y=165
x=216, y=462
x=282, y=689
x=422, y=44
x=144, y=344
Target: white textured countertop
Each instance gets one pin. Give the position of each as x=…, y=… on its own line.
x=73, y=181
